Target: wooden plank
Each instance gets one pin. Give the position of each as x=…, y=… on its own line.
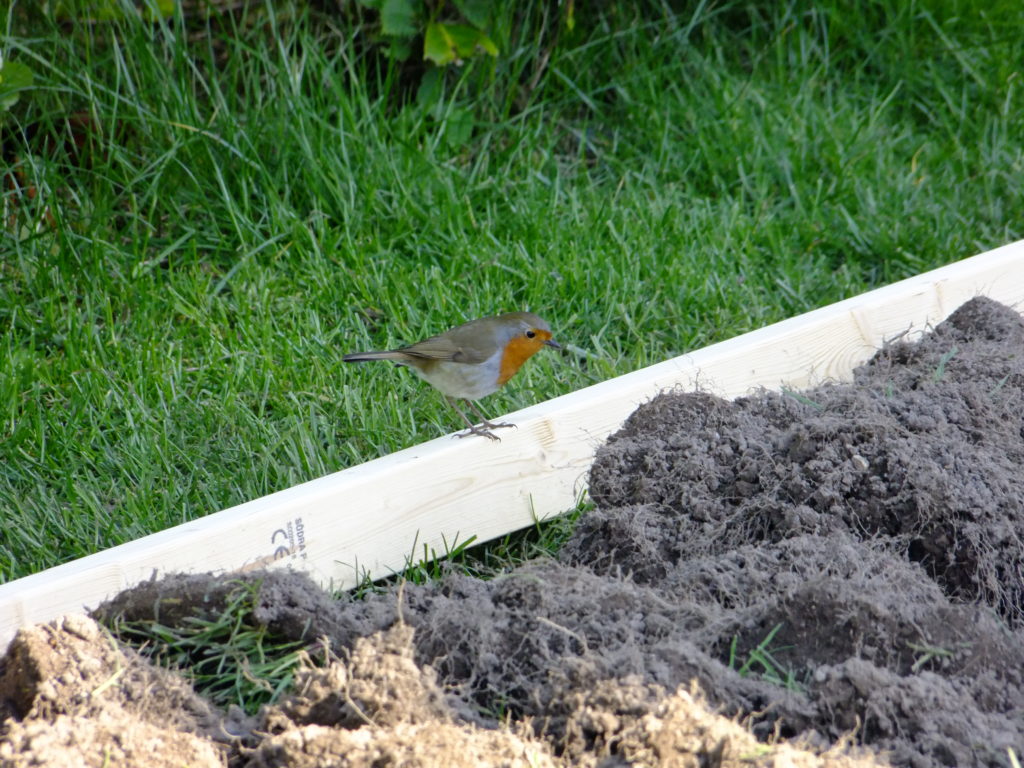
x=370, y=518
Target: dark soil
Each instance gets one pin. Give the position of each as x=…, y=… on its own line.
x=834, y=576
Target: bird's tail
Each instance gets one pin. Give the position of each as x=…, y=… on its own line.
x=359, y=357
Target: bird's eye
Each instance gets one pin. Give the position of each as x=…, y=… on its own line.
x=530, y=334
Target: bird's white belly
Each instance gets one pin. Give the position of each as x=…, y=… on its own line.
x=460, y=380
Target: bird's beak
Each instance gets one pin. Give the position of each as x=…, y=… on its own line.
x=553, y=344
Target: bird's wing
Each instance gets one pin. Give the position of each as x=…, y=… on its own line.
x=457, y=346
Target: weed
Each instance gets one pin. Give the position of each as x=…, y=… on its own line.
x=761, y=661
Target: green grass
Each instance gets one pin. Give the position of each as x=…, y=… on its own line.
x=256, y=193
x=229, y=658
x=483, y=560
x=762, y=662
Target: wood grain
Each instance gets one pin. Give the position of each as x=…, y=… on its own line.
x=373, y=517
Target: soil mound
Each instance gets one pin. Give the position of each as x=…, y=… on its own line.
x=828, y=577
x=69, y=690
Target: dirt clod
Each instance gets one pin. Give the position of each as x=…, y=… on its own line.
x=74, y=696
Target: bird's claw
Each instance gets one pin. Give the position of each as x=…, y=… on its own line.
x=482, y=431
x=490, y=425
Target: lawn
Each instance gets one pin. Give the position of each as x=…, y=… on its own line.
x=203, y=211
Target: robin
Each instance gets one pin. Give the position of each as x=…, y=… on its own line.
x=472, y=360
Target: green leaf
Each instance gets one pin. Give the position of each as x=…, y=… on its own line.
x=438, y=45
x=398, y=18
x=469, y=40
x=443, y=43
x=15, y=77
x=429, y=92
x=476, y=12
x=400, y=48
x=487, y=44
x=458, y=128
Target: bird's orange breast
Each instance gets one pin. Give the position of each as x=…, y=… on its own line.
x=518, y=351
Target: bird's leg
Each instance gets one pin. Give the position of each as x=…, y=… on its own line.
x=484, y=421
x=482, y=430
